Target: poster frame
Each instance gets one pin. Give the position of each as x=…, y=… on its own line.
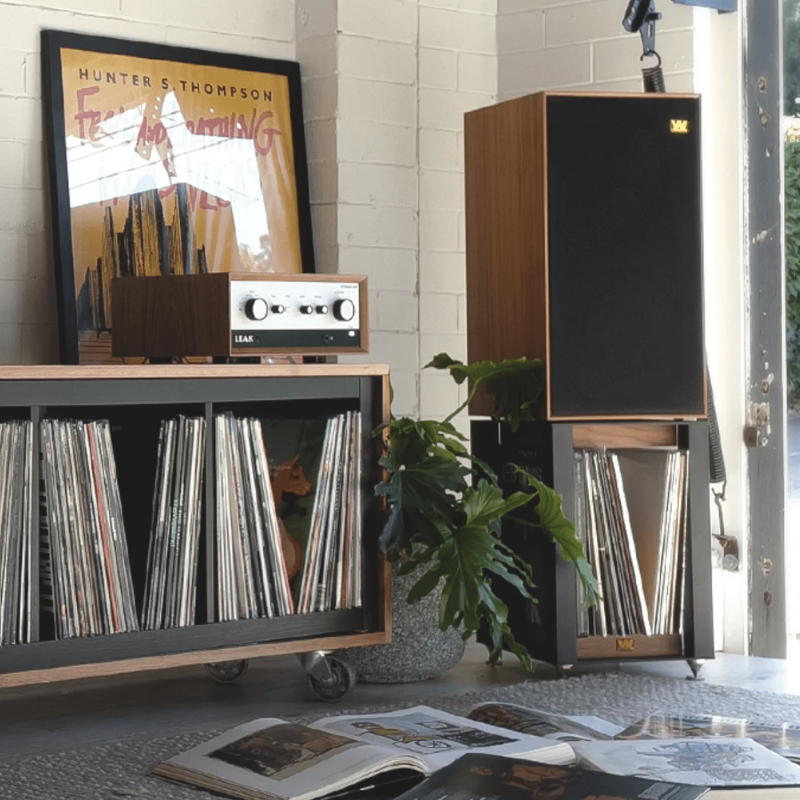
x=53, y=42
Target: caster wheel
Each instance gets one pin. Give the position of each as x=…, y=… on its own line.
x=227, y=671
x=341, y=683
x=562, y=670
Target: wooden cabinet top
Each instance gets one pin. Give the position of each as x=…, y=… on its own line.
x=51, y=372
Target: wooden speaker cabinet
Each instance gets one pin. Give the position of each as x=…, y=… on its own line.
x=584, y=249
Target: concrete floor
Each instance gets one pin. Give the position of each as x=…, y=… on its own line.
x=49, y=718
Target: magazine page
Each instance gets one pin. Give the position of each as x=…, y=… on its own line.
x=782, y=738
x=702, y=761
x=565, y=728
x=269, y=758
x=602, y=727
x=477, y=776
x=439, y=737
x=759, y=793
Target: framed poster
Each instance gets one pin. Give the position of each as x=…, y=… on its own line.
x=167, y=161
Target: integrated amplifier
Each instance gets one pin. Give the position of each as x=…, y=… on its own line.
x=239, y=314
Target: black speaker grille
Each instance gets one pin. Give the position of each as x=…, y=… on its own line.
x=625, y=256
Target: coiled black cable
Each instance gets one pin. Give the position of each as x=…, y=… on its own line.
x=716, y=462
x=653, y=77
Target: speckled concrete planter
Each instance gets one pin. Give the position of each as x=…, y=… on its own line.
x=418, y=650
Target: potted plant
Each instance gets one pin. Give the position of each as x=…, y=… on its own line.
x=443, y=525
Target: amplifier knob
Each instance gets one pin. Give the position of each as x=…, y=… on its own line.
x=344, y=310
x=323, y=309
x=306, y=309
x=256, y=308
x=279, y=309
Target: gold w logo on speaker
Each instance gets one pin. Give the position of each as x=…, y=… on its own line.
x=679, y=126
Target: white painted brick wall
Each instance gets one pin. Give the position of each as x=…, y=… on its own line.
x=378, y=184
x=439, y=149
x=405, y=392
x=521, y=32
x=397, y=311
x=441, y=190
x=444, y=110
x=438, y=230
x=392, y=62
x=442, y=272
x=457, y=30
x=438, y=313
x=12, y=164
x=477, y=73
x=27, y=281
x=455, y=345
x=438, y=69
x=376, y=142
x=386, y=85
x=387, y=20
x=441, y=393
x=457, y=73
x=581, y=45
x=385, y=268
x=416, y=273
x=521, y=73
x=375, y=120
x=12, y=71
x=317, y=51
x=267, y=19
x=381, y=226
x=320, y=97
x=380, y=101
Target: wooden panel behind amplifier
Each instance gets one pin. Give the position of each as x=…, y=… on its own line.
x=239, y=314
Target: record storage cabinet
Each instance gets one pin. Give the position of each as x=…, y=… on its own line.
x=549, y=628
x=135, y=399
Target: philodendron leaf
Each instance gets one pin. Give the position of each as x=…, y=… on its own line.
x=426, y=478
x=471, y=551
x=550, y=518
x=486, y=503
x=420, y=498
x=515, y=384
x=424, y=586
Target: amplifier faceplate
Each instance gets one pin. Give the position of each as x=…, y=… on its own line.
x=294, y=313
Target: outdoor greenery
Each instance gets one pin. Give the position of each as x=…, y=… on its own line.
x=791, y=56
x=446, y=508
x=791, y=81
x=792, y=216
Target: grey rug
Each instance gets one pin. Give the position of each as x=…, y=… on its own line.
x=121, y=770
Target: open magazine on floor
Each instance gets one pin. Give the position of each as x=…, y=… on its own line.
x=270, y=758
x=479, y=776
x=782, y=738
x=716, y=761
x=564, y=727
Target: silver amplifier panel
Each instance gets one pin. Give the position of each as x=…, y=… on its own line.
x=295, y=313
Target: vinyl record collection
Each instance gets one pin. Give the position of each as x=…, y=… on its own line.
x=86, y=574
x=16, y=535
x=252, y=580
x=170, y=590
x=331, y=575
x=86, y=580
x=637, y=551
